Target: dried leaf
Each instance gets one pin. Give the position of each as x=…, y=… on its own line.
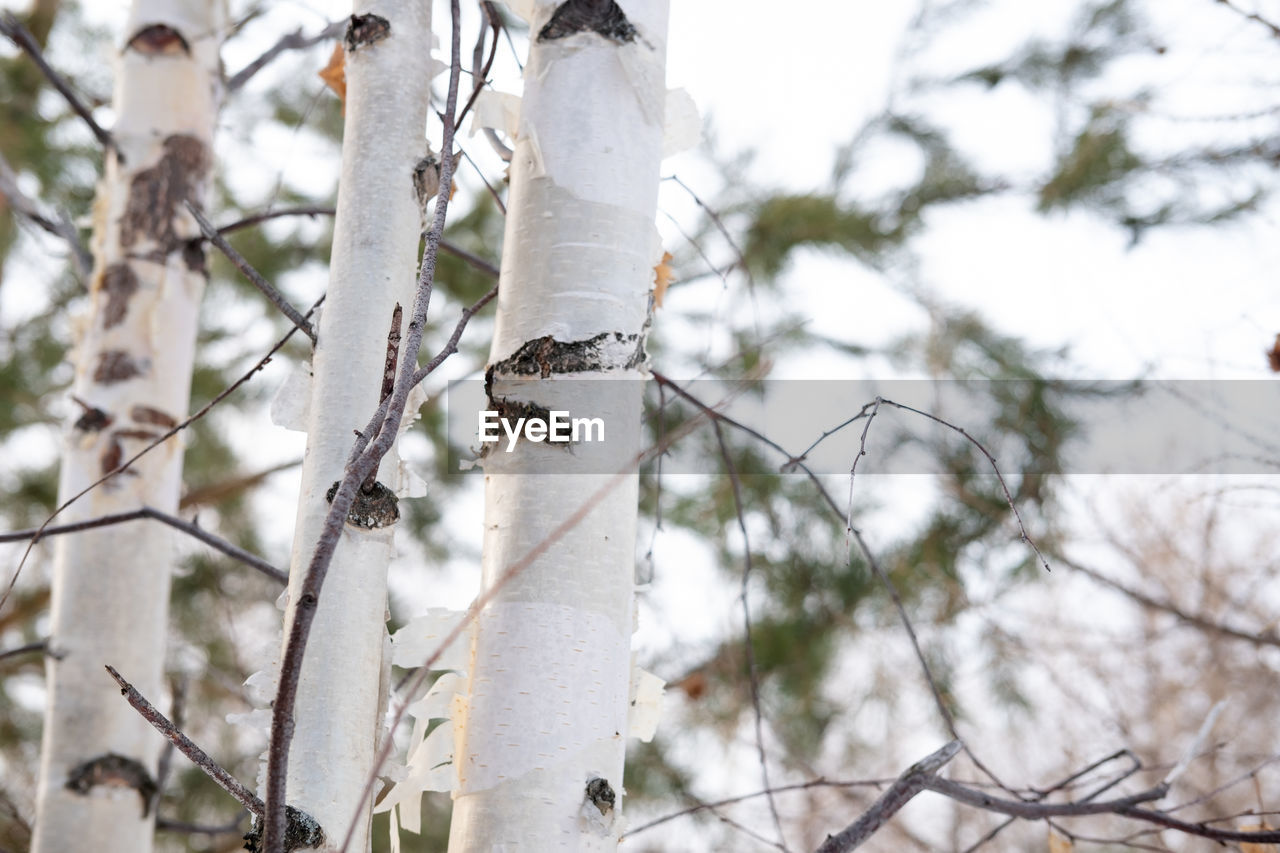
x=1059, y=843
x=662, y=277
x=1250, y=847
x=334, y=74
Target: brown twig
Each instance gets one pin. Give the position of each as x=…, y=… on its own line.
x=125, y=465
x=752, y=672
x=255, y=278
x=258, y=218
x=41, y=646
x=293, y=41
x=198, y=756
x=387, y=428
x=1253, y=16
x=191, y=529
x=13, y=29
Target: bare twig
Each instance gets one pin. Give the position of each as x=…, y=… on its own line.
x=293, y=41
x=237, y=260
x=475, y=261
x=258, y=218
x=62, y=228
x=13, y=29
x=1253, y=16
x=166, y=758
x=125, y=465
x=480, y=76
x=451, y=346
x=198, y=756
x=41, y=646
x=911, y=782
x=752, y=673
x=1267, y=638
x=187, y=527
x=387, y=428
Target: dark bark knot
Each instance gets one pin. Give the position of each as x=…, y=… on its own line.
x=159, y=40
x=113, y=771
x=364, y=30
x=116, y=365
x=155, y=194
x=301, y=831
x=603, y=17
x=545, y=356
x=601, y=794
x=375, y=506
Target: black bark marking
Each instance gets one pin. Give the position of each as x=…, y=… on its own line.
x=301, y=830
x=601, y=794
x=604, y=17
x=116, y=365
x=545, y=356
x=112, y=455
x=114, y=771
x=374, y=506
x=119, y=283
x=139, y=434
x=150, y=415
x=365, y=30
x=193, y=256
x=93, y=419
x=159, y=40
x=156, y=194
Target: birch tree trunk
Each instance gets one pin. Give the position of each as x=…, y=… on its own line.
x=375, y=250
x=133, y=359
x=541, y=745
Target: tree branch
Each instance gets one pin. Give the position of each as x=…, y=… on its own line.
x=276, y=297
x=198, y=756
x=62, y=228
x=13, y=29
x=911, y=782
x=293, y=41
x=187, y=527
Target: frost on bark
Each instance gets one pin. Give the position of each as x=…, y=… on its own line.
x=133, y=356
x=375, y=249
x=541, y=739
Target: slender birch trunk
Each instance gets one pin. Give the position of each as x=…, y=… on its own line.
x=133, y=359
x=541, y=744
x=375, y=250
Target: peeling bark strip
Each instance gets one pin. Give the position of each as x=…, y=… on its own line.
x=116, y=365
x=545, y=356
x=365, y=30
x=115, y=771
x=374, y=507
x=119, y=284
x=599, y=16
x=156, y=193
x=301, y=831
x=159, y=40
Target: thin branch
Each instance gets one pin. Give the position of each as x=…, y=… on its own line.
x=475, y=261
x=13, y=29
x=187, y=527
x=222, y=489
x=125, y=465
x=41, y=646
x=451, y=346
x=62, y=228
x=1204, y=623
x=1253, y=16
x=165, y=764
x=304, y=608
x=480, y=75
x=276, y=298
x=257, y=218
x=293, y=41
x=198, y=756
x=752, y=672
x=911, y=782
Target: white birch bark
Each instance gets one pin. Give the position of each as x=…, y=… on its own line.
x=375, y=250
x=133, y=357
x=545, y=711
